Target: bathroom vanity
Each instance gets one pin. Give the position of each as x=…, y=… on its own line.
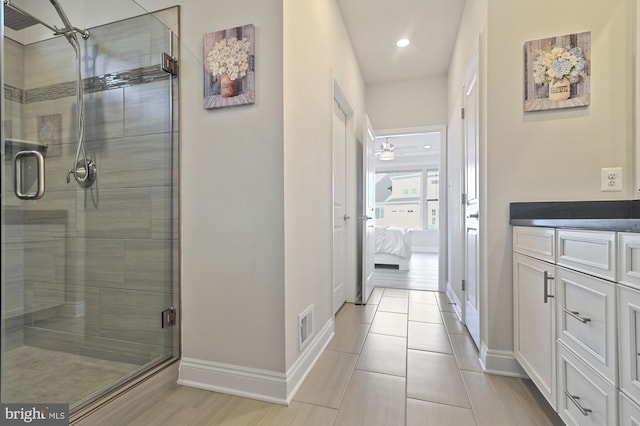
x=576, y=306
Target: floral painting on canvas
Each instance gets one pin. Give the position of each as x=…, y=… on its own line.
x=557, y=72
x=229, y=67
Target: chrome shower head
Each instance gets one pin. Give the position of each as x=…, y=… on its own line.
x=16, y=20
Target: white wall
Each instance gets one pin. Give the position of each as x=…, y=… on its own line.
x=232, y=196
x=424, y=241
x=408, y=103
x=552, y=155
x=250, y=270
x=316, y=46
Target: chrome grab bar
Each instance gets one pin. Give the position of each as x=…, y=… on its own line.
x=577, y=316
x=574, y=399
x=19, y=172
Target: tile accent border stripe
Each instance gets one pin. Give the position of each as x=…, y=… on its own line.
x=115, y=80
x=14, y=94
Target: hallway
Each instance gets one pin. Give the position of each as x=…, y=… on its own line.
x=403, y=359
x=422, y=274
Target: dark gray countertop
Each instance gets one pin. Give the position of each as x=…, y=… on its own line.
x=620, y=225
x=623, y=216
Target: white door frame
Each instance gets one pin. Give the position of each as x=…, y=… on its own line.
x=443, y=224
x=367, y=213
x=340, y=96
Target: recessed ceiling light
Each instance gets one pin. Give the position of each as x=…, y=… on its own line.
x=403, y=42
x=427, y=147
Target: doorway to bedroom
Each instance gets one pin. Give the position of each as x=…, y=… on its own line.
x=408, y=219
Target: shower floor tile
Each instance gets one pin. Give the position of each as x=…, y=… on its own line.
x=38, y=375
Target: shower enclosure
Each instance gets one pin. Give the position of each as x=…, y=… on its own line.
x=90, y=198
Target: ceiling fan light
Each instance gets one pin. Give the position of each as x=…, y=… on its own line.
x=386, y=155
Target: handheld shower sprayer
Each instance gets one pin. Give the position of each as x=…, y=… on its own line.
x=84, y=170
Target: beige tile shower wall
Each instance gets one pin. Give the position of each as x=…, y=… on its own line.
x=13, y=63
x=14, y=247
x=124, y=45
x=118, y=239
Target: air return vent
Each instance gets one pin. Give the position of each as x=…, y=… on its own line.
x=305, y=327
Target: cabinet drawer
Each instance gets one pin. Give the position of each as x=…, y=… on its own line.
x=629, y=411
x=584, y=398
x=593, y=252
x=629, y=341
x=586, y=308
x=535, y=242
x=629, y=259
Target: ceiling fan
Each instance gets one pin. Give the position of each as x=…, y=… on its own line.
x=386, y=151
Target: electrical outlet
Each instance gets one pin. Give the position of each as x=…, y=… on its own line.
x=611, y=179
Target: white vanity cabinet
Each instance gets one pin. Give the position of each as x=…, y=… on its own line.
x=565, y=322
x=629, y=327
x=585, y=398
x=629, y=254
x=534, y=307
x=629, y=411
x=586, y=319
x=629, y=341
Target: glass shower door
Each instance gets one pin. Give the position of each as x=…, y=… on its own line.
x=88, y=270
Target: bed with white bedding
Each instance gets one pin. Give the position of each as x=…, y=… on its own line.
x=393, y=246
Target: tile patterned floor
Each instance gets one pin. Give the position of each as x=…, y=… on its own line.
x=388, y=368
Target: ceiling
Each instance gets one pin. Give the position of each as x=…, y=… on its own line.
x=410, y=150
x=374, y=26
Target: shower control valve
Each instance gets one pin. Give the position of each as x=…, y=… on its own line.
x=83, y=175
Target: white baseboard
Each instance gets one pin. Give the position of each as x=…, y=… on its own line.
x=502, y=363
x=263, y=385
x=454, y=298
x=424, y=249
x=305, y=362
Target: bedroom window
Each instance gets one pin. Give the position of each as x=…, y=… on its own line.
x=398, y=200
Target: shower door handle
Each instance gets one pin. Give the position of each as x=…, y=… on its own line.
x=19, y=166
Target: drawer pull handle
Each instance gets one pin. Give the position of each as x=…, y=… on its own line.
x=547, y=277
x=574, y=399
x=577, y=316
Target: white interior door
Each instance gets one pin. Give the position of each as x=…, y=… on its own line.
x=339, y=209
x=369, y=203
x=471, y=121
